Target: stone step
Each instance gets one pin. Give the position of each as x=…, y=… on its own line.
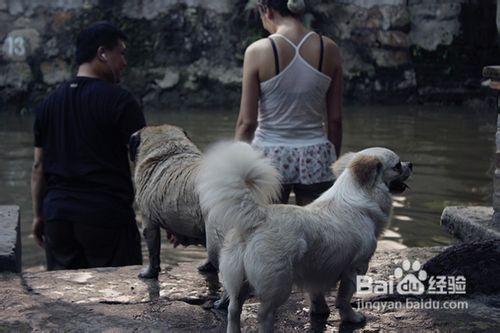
x=10, y=239
x=492, y=72
x=470, y=223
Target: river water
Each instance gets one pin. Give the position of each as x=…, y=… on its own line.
x=451, y=149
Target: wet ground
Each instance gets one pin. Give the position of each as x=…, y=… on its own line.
x=114, y=300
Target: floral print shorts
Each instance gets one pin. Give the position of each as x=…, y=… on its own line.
x=302, y=164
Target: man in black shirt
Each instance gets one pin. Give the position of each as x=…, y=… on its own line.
x=81, y=184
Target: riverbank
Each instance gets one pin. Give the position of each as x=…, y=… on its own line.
x=114, y=299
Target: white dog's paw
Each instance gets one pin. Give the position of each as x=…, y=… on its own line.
x=352, y=316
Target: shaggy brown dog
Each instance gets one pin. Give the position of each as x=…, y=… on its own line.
x=167, y=164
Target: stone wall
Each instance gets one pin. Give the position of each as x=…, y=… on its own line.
x=189, y=52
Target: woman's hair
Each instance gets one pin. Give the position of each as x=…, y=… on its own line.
x=285, y=7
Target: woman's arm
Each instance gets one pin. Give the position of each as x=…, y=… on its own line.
x=247, y=119
x=334, y=100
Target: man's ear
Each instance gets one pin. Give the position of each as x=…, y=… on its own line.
x=133, y=145
x=366, y=170
x=101, y=54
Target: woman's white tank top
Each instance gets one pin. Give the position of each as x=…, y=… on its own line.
x=292, y=105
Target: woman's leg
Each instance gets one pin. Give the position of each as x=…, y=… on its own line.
x=285, y=193
x=305, y=194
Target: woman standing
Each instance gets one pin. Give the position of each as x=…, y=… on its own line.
x=292, y=100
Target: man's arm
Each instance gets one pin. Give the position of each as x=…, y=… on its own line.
x=37, y=194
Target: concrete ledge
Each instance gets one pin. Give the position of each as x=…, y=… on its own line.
x=115, y=300
x=491, y=72
x=470, y=223
x=10, y=239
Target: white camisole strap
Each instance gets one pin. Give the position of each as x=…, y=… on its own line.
x=296, y=47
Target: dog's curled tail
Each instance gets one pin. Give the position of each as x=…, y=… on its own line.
x=234, y=181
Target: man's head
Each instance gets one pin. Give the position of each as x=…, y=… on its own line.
x=102, y=46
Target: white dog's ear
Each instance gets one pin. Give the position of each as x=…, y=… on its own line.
x=341, y=164
x=366, y=169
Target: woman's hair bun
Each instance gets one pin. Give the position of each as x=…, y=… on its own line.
x=296, y=6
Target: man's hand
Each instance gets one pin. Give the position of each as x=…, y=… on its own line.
x=37, y=231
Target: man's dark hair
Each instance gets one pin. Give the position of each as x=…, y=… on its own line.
x=100, y=33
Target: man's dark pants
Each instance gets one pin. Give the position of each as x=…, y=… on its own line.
x=72, y=245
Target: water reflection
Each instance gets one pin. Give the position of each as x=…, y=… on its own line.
x=451, y=149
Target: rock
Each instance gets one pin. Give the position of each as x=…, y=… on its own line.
x=353, y=65
x=343, y=19
x=10, y=239
x=169, y=80
x=389, y=58
x=227, y=76
x=4, y=5
x=60, y=19
x=5, y=24
x=478, y=262
x=50, y=48
x=151, y=9
x=56, y=71
x=15, y=7
x=491, y=72
x=38, y=23
x=393, y=39
x=16, y=75
x=20, y=44
x=231, y=76
x=434, y=24
x=409, y=81
x=470, y=223
x=394, y=17
x=31, y=6
x=371, y=3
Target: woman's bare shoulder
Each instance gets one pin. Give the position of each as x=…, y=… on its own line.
x=331, y=47
x=258, y=46
x=330, y=43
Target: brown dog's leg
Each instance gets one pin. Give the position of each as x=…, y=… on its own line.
x=319, y=307
x=152, y=236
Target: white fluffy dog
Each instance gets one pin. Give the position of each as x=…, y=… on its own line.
x=272, y=247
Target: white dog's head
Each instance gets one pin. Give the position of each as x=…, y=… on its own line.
x=376, y=164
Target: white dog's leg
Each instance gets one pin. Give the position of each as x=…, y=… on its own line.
x=344, y=295
x=318, y=304
x=234, y=315
x=234, y=309
x=153, y=238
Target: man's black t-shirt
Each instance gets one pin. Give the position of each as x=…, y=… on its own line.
x=84, y=127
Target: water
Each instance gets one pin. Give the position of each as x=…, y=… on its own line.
x=451, y=149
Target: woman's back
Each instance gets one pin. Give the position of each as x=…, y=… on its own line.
x=293, y=101
x=310, y=52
